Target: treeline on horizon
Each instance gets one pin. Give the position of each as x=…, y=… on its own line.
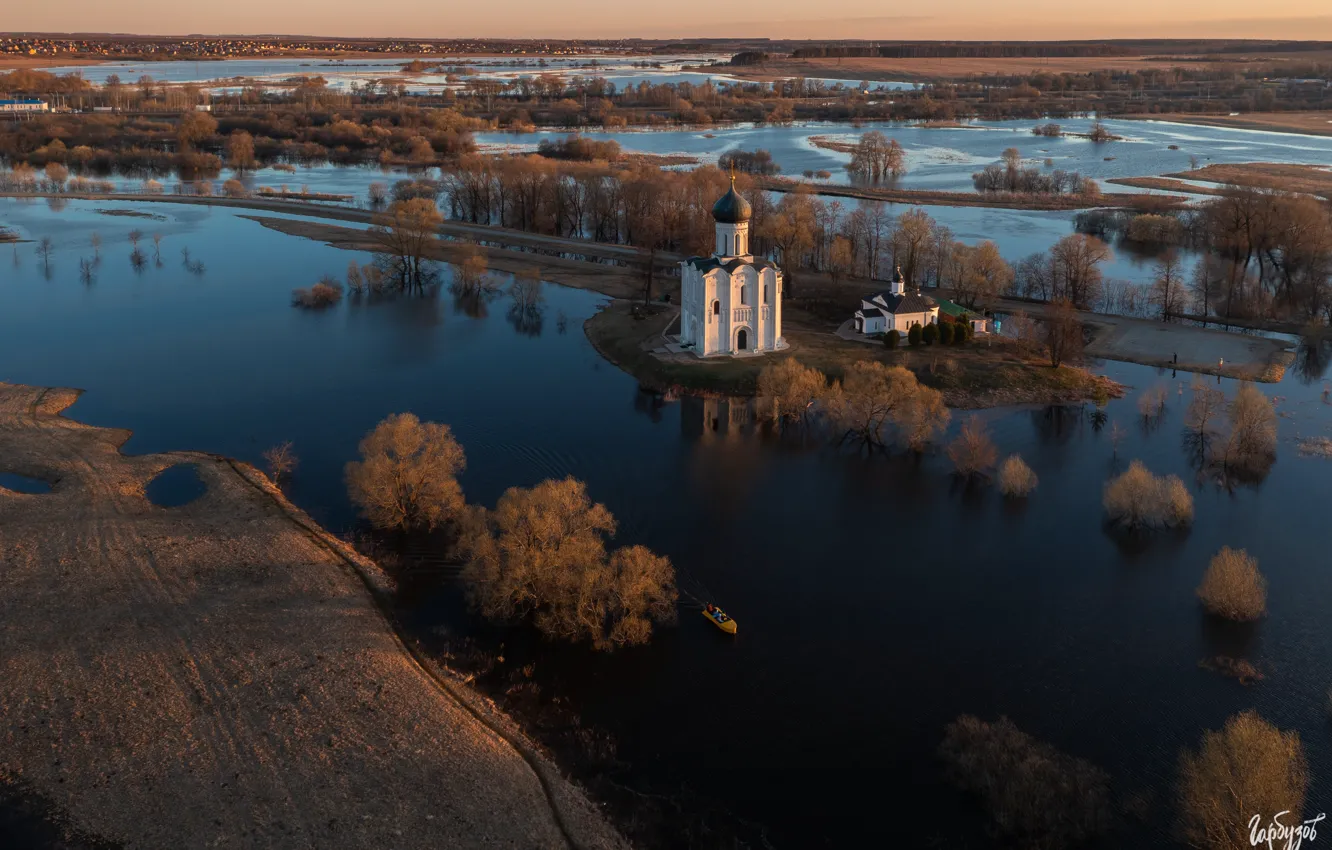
x=548, y=100
x=965, y=50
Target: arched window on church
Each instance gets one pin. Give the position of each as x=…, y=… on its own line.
x=765, y=294
x=716, y=309
x=743, y=297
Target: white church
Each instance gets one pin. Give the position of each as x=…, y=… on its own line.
x=731, y=302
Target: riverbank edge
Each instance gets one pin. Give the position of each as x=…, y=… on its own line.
x=569, y=804
x=1225, y=122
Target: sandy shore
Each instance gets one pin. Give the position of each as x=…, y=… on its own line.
x=220, y=675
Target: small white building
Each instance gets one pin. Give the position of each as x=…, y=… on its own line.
x=731, y=302
x=895, y=310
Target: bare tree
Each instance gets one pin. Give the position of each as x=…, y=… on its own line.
x=541, y=553
x=1248, y=448
x=1232, y=587
x=281, y=461
x=1248, y=768
x=789, y=389
x=1138, y=499
x=195, y=127
x=407, y=475
x=44, y=247
x=972, y=451
x=1206, y=403
x=405, y=233
x=1063, y=332
x=868, y=400
x=240, y=151
x=1016, y=479
x=1037, y=796
x=1168, y=291
x=876, y=156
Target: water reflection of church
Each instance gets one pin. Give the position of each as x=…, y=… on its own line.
x=711, y=420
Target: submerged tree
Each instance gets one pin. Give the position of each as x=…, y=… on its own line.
x=406, y=232
x=541, y=553
x=1248, y=768
x=1036, y=795
x=1233, y=587
x=1248, y=449
x=876, y=156
x=788, y=389
x=407, y=475
x=1016, y=479
x=873, y=397
x=972, y=451
x=1138, y=499
x=240, y=151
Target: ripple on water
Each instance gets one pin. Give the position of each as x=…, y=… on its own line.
x=175, y=486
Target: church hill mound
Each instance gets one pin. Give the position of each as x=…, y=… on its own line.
x=735, y=310
x=223, y=672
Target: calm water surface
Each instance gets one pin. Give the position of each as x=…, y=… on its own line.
x=877, y=599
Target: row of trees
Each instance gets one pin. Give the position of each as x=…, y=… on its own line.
x=198, y=141
x=1265, y=253
x=1011, y=176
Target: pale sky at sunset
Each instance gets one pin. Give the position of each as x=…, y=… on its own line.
x=865, y=19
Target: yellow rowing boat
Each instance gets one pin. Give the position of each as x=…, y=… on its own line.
x=720, y=620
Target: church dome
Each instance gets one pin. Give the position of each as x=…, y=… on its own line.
x=732, y=208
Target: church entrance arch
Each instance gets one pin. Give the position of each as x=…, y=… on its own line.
x=742, y=339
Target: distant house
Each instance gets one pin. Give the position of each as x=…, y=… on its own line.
x=979, y=324
x=23, y=106
x=895, y=309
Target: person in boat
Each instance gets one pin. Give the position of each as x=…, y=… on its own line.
x=712, y=610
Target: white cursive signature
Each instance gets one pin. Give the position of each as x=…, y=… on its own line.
x=1294, y=834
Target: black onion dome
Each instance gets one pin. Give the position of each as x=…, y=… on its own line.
x=732, y=208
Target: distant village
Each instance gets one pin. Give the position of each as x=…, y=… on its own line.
x=186, y=48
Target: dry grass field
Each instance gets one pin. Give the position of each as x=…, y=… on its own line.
x=1287, y=177
x=1317, y=123
x=220, y=674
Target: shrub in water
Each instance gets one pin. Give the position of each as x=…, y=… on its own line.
x=892, y=339
x=1232, y=587
x=913, y=335
x=946, y=333
x=1016, y=478
x=1036, y=795
x=1139, y=499
x=1247, y=768
x=930, y=334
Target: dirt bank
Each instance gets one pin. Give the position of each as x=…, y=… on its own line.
x=1282, y=176
x=615, y=281
x=593, y=251
x=220, y=675
x=1313, y=123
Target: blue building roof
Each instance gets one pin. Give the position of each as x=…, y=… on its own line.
x=21, y=100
